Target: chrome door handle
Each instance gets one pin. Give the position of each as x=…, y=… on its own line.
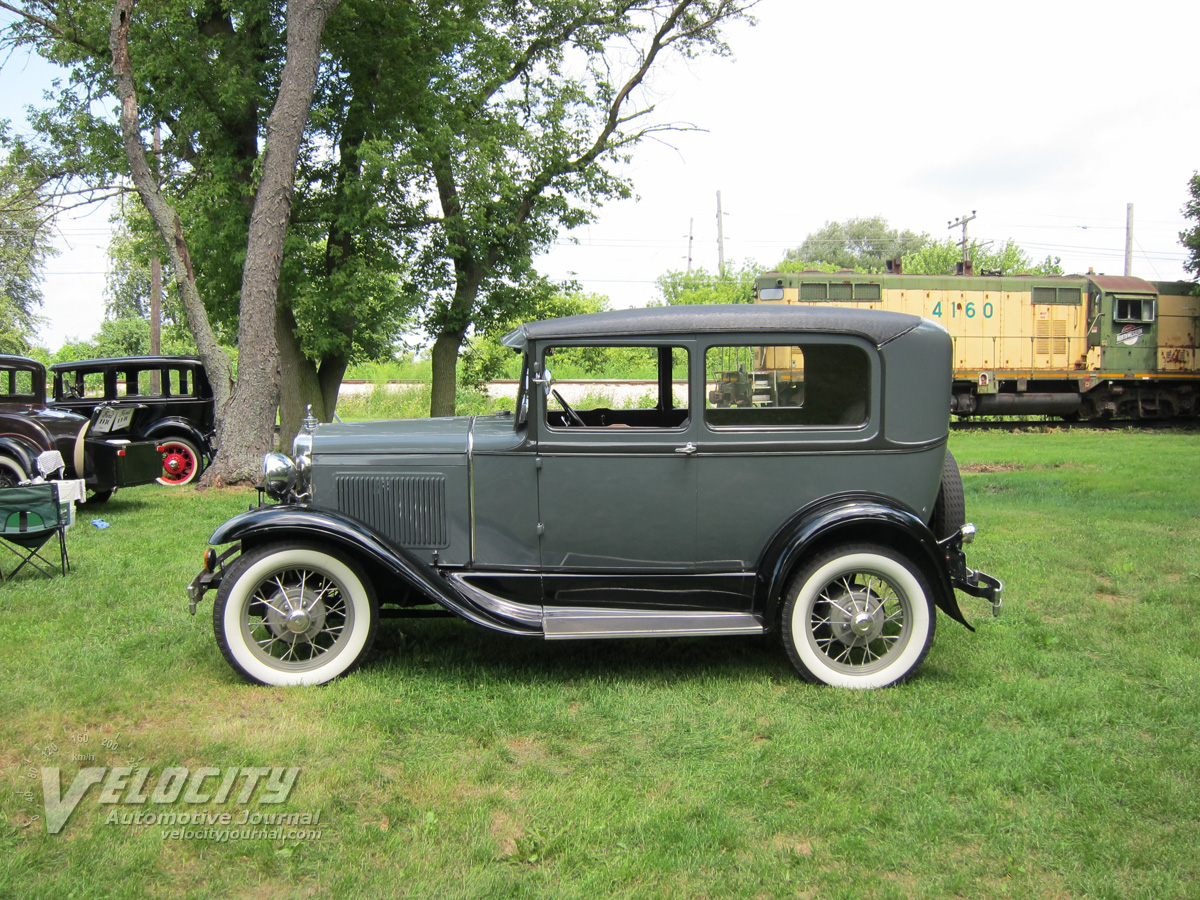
x=688, y=448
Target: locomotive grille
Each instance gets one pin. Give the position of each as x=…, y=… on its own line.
x=1050, y=338
x=409, y=509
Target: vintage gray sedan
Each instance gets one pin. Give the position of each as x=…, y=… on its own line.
x=825, y=509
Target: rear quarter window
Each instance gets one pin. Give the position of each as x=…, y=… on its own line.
x=787, y=385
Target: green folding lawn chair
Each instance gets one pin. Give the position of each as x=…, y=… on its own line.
x=30, y=517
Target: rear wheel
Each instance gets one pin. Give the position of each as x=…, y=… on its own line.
x=12, y=472
x=181, y=462
x=858, y=616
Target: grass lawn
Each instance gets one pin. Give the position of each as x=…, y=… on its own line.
x=1051, y=754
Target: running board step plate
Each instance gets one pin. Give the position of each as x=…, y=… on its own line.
x=561, y=623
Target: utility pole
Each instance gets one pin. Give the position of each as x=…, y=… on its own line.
x=691, y=230
x=720, y=238
x=965, y=267
x=1128, y=239
x=156, y=280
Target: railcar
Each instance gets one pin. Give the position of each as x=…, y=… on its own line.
x=1075, y=346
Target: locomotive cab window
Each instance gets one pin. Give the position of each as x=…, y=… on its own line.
x=787, y=385
x=1133, y=309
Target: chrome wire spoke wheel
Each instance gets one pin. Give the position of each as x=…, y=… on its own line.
x=859, y=616
x=858, y=621
x=294, y=613
x=297, y=617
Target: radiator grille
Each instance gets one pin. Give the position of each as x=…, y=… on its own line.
x=409, y=509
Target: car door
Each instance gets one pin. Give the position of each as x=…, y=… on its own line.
x=616, y=477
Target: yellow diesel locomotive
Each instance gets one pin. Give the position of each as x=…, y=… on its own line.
x=1076, y=346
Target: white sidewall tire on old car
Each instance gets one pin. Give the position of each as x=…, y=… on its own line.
x=858, y=616
x=181, y=462
x=291, y=613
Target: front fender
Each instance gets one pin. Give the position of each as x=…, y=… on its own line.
x=846, y=518
x=271, y=523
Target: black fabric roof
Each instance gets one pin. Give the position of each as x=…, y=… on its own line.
x=877, y=326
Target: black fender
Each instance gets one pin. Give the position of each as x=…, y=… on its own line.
x=177, y=426
x=21, y=452
x=845, y=518
x=299, y=522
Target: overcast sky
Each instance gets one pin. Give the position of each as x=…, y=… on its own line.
x=1045, y=118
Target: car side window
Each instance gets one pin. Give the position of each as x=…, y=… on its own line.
x=176, y=384
x=133, y=383
x=16, y=383
x=616, y=386
x=818, y=384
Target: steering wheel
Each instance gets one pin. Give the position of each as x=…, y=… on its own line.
x=571, y=414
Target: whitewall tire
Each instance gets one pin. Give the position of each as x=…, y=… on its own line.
x=292, y=613
x=858, y=616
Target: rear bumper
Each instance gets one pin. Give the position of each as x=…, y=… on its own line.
x=966, y=579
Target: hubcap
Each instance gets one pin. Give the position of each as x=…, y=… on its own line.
x=859, y=623
x=856, y=616
x=296, y=614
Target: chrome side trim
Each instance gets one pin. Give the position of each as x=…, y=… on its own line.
x=574, y=622
x=517, y=612
x=567, y=623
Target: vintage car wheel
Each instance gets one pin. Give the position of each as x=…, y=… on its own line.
x=294, y=614
x=181, y=462
x=12, y=472
x=858, y=616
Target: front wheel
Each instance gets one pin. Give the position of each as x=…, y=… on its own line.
x=858, y=616
x=181, y=462
x=294, y=614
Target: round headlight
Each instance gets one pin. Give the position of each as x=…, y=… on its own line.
x=279, y=475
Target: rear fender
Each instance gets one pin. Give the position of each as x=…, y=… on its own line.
x=21, y=453
x=275, y=523
x=177, y=426
x=847, y=518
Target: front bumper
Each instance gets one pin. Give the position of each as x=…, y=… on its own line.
x=209, y=578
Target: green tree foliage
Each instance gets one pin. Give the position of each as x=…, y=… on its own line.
x=943, y=257
x=803, y=265
x=537, y=109
x=486, y=359
x=736, y=285
x=448, y=143
x=861, y=244
x=26, y=217
x=1190, y=238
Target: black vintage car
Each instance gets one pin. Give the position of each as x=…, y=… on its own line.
x=174, y=397
x=832, y=517
x=105, y=448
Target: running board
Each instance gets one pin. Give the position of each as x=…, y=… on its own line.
x=565, y=623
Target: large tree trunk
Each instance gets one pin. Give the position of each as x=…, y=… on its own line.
x=216, y=360
x=298, y=382
x=246, y=414
x=251, y=410
x=445, y=373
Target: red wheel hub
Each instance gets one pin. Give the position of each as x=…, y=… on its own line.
x=177, y=464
